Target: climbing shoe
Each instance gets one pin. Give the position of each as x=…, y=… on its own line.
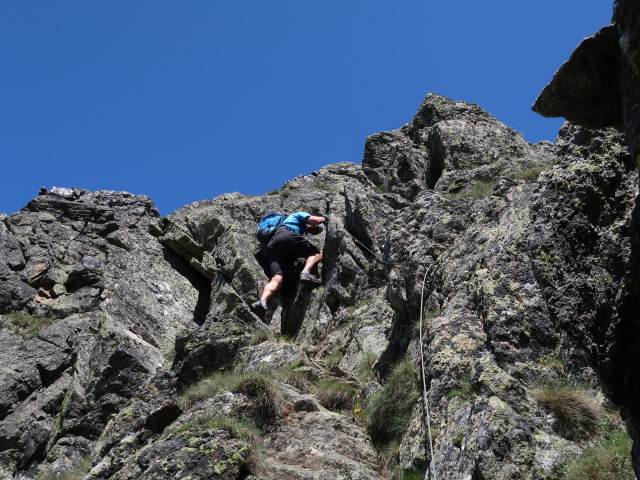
x=310, y=279
x=258, y=309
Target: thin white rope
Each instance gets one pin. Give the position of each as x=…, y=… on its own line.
x=424, y=386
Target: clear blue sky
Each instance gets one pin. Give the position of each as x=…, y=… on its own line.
x=186, y=100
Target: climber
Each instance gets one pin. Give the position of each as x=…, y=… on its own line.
x=285, y=246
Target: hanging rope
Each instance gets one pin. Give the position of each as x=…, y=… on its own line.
x=430, y=471
x=425, y=396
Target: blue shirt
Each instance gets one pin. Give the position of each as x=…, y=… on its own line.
x=297, y=222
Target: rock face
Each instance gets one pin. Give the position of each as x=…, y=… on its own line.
x=599, y=85
x=113, y=317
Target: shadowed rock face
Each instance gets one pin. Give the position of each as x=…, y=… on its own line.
x=600, y=86
x=140, y=308
x=586, y=89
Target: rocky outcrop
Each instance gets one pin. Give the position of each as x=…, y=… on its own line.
x=502, y=239
x=599, y=86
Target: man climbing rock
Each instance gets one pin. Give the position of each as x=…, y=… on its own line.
x=285, y=246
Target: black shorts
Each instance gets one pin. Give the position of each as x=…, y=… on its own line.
x=284, y=248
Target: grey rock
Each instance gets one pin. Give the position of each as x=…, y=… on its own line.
x=586, y=89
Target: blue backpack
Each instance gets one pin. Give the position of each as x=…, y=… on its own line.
x=267, y=227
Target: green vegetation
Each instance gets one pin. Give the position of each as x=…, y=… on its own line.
x=571, y=403
x=475, y=190
x=273, y=192
x=388, y=464
x=78, y=471
x=554, y=361
x=260, y=336
x=365, y=367
x=237, y=428
x=333, y=360
x=336, y=394
x=389, y=410
x=295, y=376
x=530, y=174
x=26, y=325
x=608, y=459
x=457, y=440
x=426, y=319
x=258, y=386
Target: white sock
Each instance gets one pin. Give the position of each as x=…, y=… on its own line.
x=263, y=303
x=306, y=271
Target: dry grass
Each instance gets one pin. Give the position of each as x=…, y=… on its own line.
x=336, y=394
x=608, y=459
x=570, y=403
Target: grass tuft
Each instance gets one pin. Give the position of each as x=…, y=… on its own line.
x=77, y=472
x=530, y=174
x=389, y=411
x=366, y=372
x=333, y=360
x=570, y=403
x=26, y=325
x=258, y=386
x=475, y=190
x=241, y=429
x=295, y=376
x=336, y=394
x=608, y=459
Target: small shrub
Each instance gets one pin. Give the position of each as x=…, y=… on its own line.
x=608, y=459
x=258, y=386
x=336, y=394
x=26, y=325
x=570, y=403
x=273, y=192
x=389, y=411
x=457, y=440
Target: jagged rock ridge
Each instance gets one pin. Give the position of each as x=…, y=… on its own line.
x=141, y=308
